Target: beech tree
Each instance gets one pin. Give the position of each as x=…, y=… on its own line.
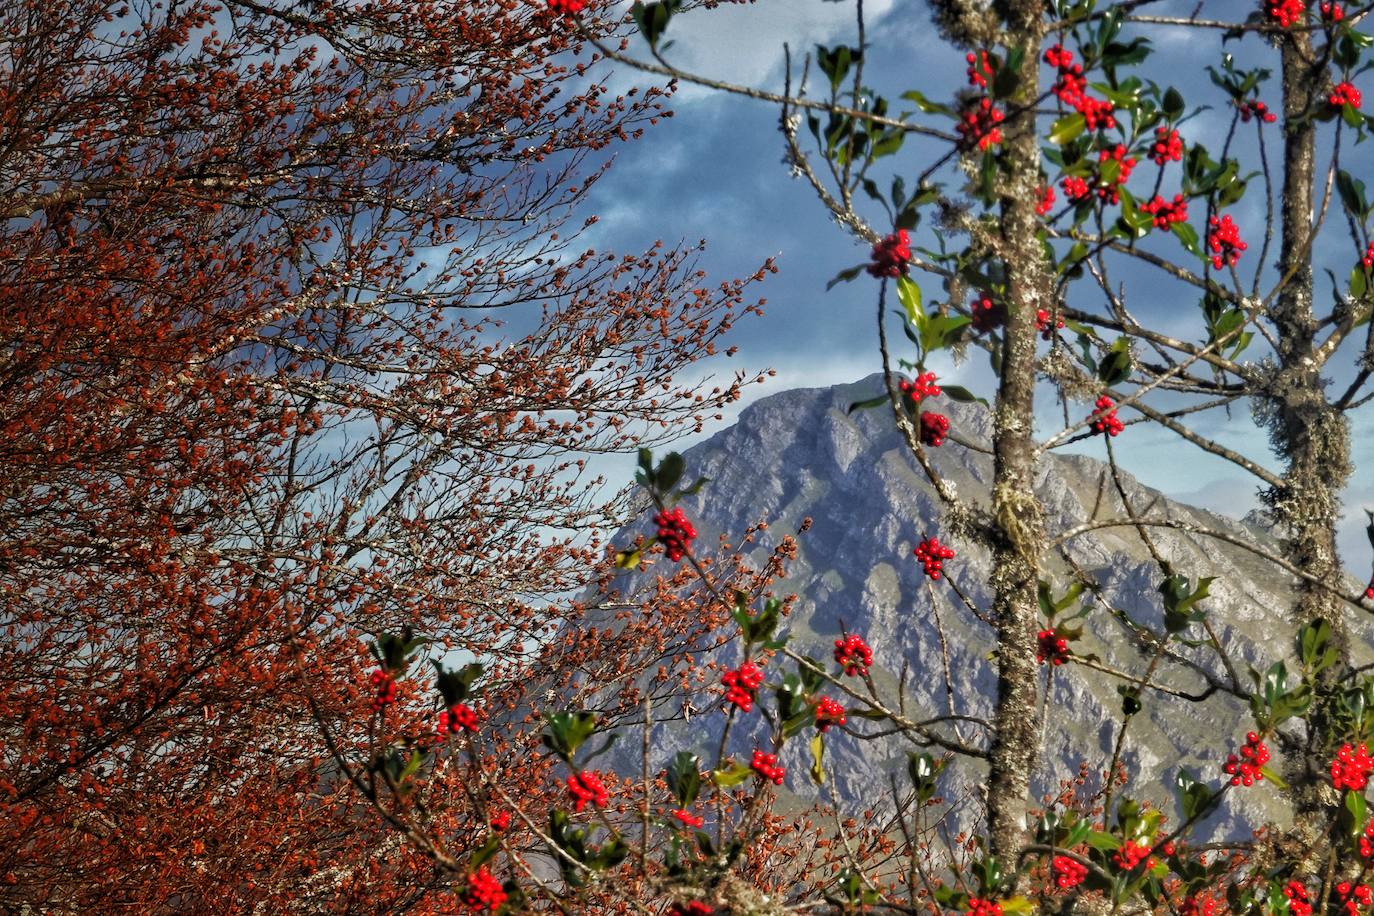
x=301, y=346
x=1067, y=163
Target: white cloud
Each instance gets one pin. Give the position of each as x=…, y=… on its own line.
x=743, y=44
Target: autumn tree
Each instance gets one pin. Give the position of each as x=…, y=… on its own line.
x=301, y=346
x=1035, y=213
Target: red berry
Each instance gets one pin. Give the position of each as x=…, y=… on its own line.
x=1168, y=147
x=1045, y=201
x=1047, y=324
x=687, y=818
x=675, y=532
x=1285, y=12
x=483, y=892
x=1351, y=768
x=1195, y=905
x=1071, y=89
x=765, y=765
x=1132, y=854
x=1104, y=419
x=587, y=788
x=853, y=655
x=1245, y=769
x=829, y=712
x=891, y=255
x=924, y=387
x=978, y=126
x=690, y=908
x=934, y=428
x=457, y=718
x=1256, y=109
x=1345, y=94
x=742, y=684
x=1051, y=647
x=1068, y=872
x=979, y=68
x=384, y=686
x=500, y=822
x=1224, y=241
x=932, y=555
x=979, y=907
x=987, y=314
x=1166, y=213
x=1298, y=903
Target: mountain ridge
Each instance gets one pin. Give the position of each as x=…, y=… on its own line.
x=800, y=453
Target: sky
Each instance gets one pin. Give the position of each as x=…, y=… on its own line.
x=715, y=171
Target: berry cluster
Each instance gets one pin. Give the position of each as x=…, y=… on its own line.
x=1132, y=854
x=742, y=683
x=1351, y=768
x=1367, y=842
x=1285, y=12
x=987, y=314
x=1068, y=873
x=979, y=907
x=979, y=68
x=675, y=532
x=1354, y=896
x=1104, y=418
x=1224, y=241
x=500, y=822
x=1118, y=154
x=457, y=718
x=1332, y=12
x=1051, y=647
x=891, y=255
x=934, y=428
x=924, y=387
x=766, y=765
x=1047, y=324
x=853, y=655
x=1045, y=201
x=1256, y=109
x=384, y=686
x=687, y=818
x=978, y=127
x=1076, y=189
x=1245, y=769
x=690, y=908
x=1194, y=905
x=587, y=787
x=1298, y=902
x=932, y=555
x=1368, y=260
x=1345, y=94
x=483, y=892
x=1165, y=212
x=1072, y=90
x=829, y=712
x=1168, y=146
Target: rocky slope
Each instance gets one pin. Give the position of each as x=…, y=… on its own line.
x=799, y=454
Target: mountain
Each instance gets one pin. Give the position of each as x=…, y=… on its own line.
x=800, y=454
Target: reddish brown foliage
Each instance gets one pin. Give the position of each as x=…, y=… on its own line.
x=258, y=403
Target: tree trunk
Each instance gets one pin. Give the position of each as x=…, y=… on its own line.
x=1310, y=435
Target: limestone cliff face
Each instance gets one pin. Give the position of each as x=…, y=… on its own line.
x=798, y=454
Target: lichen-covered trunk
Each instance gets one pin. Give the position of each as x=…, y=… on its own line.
x=1309, y=434
x=1018, y=518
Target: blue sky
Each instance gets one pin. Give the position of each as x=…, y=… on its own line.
x=715, y=171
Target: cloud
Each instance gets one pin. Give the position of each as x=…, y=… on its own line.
x=744, y=43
